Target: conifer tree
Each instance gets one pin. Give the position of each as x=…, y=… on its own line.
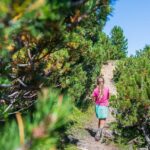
x=132, y=103
x=119, y=42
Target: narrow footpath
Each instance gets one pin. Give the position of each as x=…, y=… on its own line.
x=87, y=142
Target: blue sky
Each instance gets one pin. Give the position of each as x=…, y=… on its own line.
x=134, y=18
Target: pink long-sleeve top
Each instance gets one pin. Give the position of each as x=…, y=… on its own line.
x=103, y=101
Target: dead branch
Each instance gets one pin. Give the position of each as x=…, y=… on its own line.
x=21, y=82
x=29, y=55
x=5, y=85
x=27, y=93
x=9, y=106
x=133, y=140
x=31, y=96
x=13, y=94
x=23, y=65
x=22, y=108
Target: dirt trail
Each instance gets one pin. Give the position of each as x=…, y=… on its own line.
x=87, y=141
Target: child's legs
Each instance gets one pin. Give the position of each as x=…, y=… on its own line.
x=101, y=114
x=101, y=123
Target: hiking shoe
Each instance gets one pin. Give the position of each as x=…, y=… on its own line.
x=98, y=135
x=102, y=138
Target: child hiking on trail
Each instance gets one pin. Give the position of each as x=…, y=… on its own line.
x=100, y=96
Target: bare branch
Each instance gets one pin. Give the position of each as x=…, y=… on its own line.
x=133, y=140
x=21, y=82
x=29, y=55
x=5, y=85
x=22, y=108
x=13, y=94
x=13, y=76
x=23, y=65
x=27, y=93
x=9, y=106
x=31, y=96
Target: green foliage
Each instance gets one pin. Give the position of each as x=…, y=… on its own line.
x=71, y=147
x=45, y=43
x=48, y=46
x=133, y=100
x=42, y=129
x=8, y=134
x=119, y=42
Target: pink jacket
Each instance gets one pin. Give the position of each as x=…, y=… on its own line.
x=104, y=100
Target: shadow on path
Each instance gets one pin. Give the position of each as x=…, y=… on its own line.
x=91, y=131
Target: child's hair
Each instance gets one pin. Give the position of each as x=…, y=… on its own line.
x=97, y=81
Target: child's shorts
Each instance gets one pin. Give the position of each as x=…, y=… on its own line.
x=101, y=111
